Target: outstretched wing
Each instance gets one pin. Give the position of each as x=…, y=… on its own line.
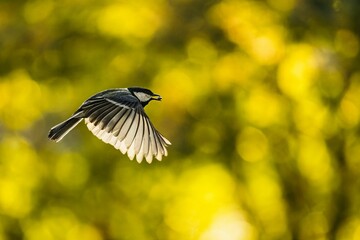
x=120, y=120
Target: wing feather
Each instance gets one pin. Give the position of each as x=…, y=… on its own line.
x=108, y=117
x=139, y=138
x=100, y=119
x=154, y=149
x=119, y=125
x=122, y=122
x=130, y=136
x=94, y=107
x=125, y=127
x=160, y=150
x=146, y=142
x=133, y=128
x=113, y=121
x=93, y=116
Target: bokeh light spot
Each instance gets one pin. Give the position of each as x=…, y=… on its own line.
x=15, y=200
x=20, y=174
x=314, y=161
x=203, y=193
x=233, y=69
x=268, y=48
x=261, y=37
x=229, y=225
x=130, y=22
x=349, y=112
x=308, y=122
x=263, y=108
x=266, y=198
x=252, y=144
x=297, y=73
x=20, y=94
x=185, y=86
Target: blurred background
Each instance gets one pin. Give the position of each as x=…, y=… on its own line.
x=260, y=101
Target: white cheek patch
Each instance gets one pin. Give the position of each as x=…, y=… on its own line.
x=143, y=97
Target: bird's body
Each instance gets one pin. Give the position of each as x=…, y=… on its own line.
x=117, y=116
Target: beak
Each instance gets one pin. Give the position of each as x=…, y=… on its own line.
x=156, y=97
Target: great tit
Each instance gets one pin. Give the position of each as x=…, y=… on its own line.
x=117, y=116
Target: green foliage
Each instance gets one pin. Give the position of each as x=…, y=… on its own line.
x=260, y=101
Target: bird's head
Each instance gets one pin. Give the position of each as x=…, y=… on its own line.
x=144, y=95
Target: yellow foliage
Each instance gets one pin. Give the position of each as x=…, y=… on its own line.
x=201, y=197
x=260, y=101
x=297, y=73
x=135, y=22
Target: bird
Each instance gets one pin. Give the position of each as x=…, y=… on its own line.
x=117, y=117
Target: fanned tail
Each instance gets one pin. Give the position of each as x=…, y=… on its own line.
x=59, y=131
